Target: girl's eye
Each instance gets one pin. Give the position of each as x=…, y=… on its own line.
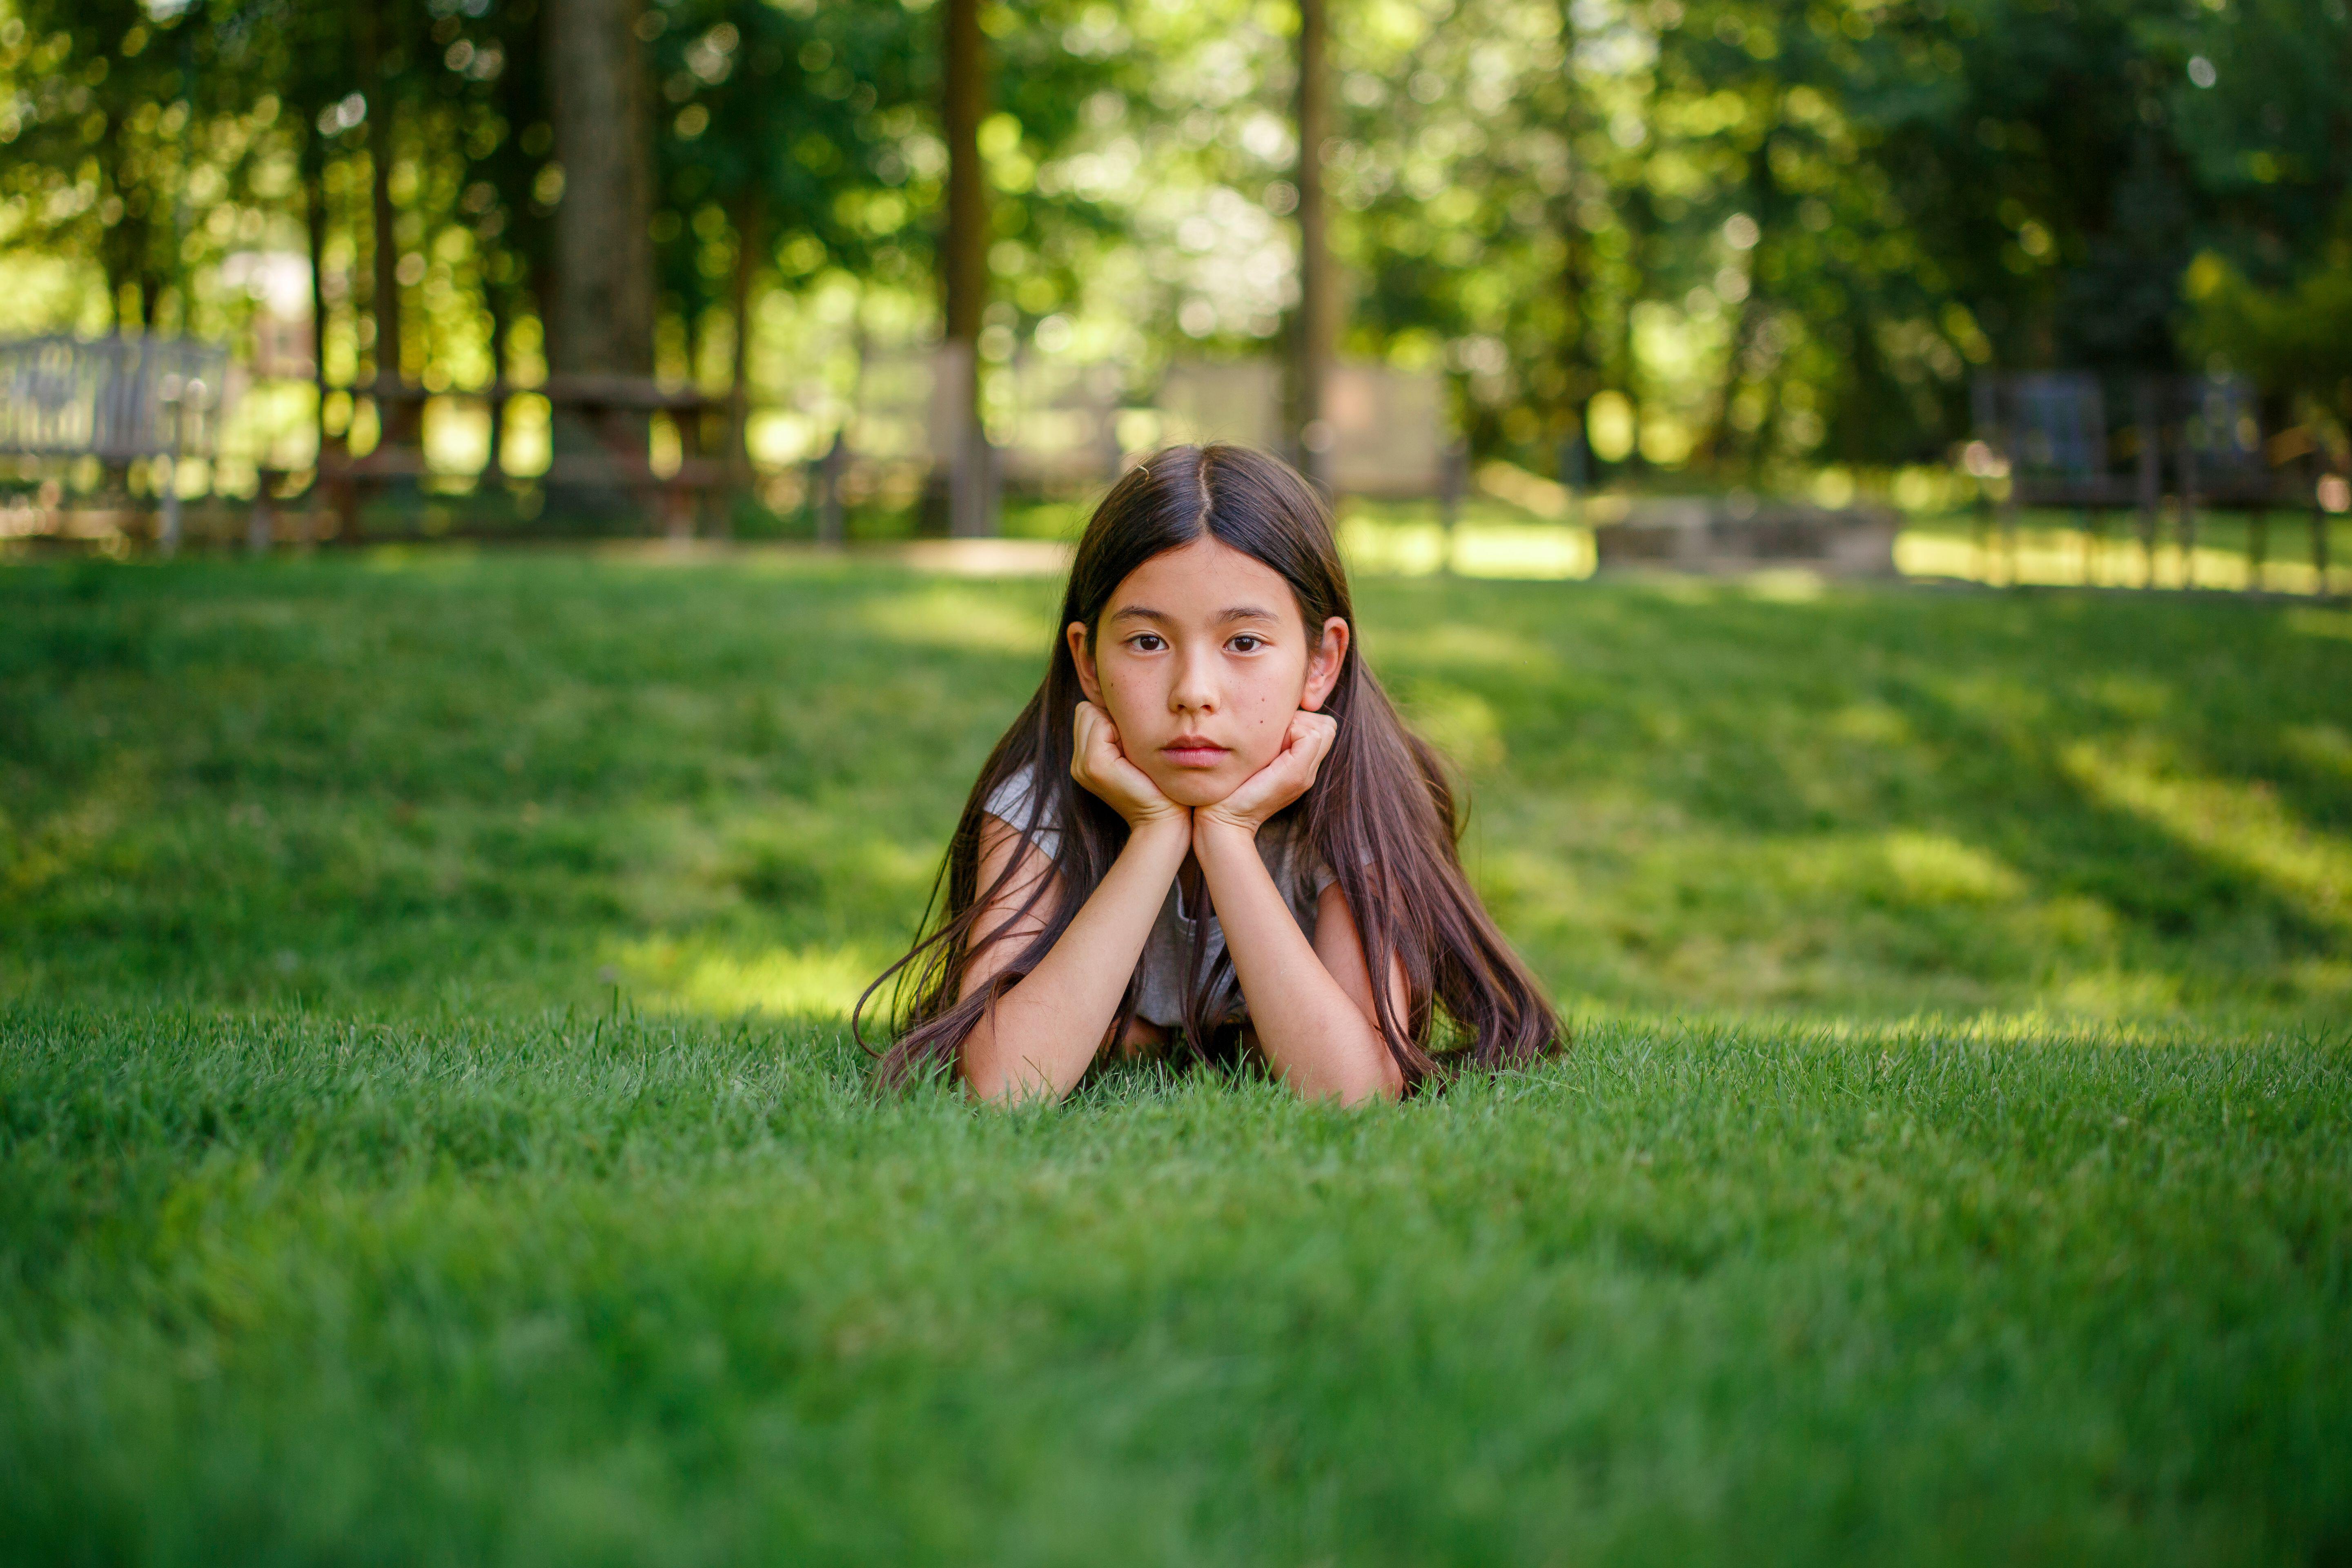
x=1146, y=642
x=1247, y=642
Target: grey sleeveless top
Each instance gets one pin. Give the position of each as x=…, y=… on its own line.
x=1163, y=974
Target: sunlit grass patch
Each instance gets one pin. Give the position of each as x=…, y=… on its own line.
x=2241, y=823
x=490, y=770
x=960, y=617
x=1499, y=548
x=703, y=977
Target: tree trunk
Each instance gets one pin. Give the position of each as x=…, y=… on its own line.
x=603, y=319
x=398, y=420
x=750, y=231
x=499, y=298
x=603, y=257
x=963, y=268
x=1638, y=221
x=1580, y=374
x=1763, y=196
x=1315, y=330
x=314, y=223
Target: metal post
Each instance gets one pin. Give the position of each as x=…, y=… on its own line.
x=2188, y=466
x=1572, y=475
x=172, y=395
x=2318, y=521
x=261, y=526
x=829, y=469
x=2149, y=429
x=1452, y=471
x=2000, y=528
x=2010, y=548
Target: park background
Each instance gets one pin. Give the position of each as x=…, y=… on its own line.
x=1774, y=248
x=429, y=1120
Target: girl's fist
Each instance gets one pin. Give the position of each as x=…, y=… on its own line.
x=1099, y=765
x=1285, y=779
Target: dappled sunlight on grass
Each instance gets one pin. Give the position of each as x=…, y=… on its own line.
x=698, y=974
x=2309, y=623
x=1784, y=585
x=943, y=616
x=1935, y=869
x=1456, y=720
x=729, y=782
x=2054, y=557
x=1452, y=643
x=1533, y=550
x=2242, y=823
x=2324, y=747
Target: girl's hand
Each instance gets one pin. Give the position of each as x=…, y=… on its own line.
x=1098, y=764
x=1279, y=782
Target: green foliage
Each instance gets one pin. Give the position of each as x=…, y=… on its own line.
x=1787, y=231
x=2296, y=338
x=783, y=126
x=124, y=123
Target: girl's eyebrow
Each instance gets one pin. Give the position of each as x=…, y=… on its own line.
x=1238, y=613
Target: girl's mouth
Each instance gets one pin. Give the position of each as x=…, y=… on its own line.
x=1194, y=752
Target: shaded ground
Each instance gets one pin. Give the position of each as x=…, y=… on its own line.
x=519, y=780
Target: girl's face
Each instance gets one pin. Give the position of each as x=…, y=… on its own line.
x=1201, y=660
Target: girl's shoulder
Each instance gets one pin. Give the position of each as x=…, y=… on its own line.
x=1014, y=798
x=1017, y=801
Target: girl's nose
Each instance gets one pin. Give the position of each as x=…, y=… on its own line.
x=1195, y=691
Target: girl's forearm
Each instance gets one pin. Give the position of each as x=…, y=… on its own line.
x=1043, y=1034
x=1314, y=1035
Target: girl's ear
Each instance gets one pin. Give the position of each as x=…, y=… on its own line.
x=1323, y=667
x=1085, y=661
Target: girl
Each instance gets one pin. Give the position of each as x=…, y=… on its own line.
x=1210, y=825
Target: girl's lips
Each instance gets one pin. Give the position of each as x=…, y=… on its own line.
x=1188, y=752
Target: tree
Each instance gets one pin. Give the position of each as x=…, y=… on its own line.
x=602, y=318
x=1315, y=330
x=963, y=260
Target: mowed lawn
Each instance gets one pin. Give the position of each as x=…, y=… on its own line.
x=428, y=1129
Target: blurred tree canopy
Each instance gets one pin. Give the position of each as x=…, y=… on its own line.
x=1737, y=233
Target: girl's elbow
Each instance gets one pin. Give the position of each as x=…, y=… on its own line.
x=1380, y=1083
x=1004, y=1086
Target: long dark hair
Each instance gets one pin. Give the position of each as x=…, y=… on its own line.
x=1380, y=813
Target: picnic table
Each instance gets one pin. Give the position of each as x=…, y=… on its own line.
x=599, y=431
x=2049, y=432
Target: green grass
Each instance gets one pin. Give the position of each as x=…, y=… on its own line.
x=427, y=1129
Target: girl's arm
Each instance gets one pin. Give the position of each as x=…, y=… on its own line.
x=1341, y=946
x=1039, y=1038
x=1317, y=1032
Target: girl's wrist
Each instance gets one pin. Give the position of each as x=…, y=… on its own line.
x=1174, y=828
x=1209, y=829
